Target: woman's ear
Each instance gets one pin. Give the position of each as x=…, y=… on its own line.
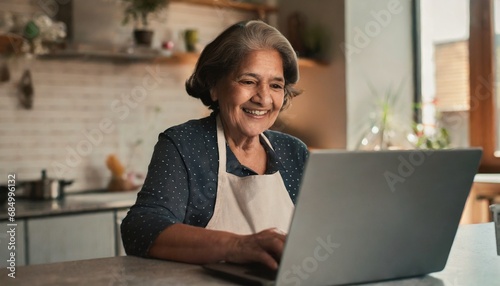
x=213, y=94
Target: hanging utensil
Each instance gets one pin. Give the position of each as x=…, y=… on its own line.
x=4, y=72
x=26, y=90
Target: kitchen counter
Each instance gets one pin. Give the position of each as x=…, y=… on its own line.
x=485, y=192
x=71, y=204
x=472, y=261
x=487, y=178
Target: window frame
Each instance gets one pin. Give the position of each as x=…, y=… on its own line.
x=482, y=117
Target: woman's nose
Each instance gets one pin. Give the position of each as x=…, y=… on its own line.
x=263, y=95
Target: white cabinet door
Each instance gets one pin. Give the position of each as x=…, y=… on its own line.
x=120, y=215
x=12, y=239
x=71, y=237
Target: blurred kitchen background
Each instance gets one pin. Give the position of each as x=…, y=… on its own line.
x=97, y=73
x=82, y=101
x=70, y=101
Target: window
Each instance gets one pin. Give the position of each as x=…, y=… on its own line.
x=460, y=71
x=444, y=68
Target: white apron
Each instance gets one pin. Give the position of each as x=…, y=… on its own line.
x=246, y=205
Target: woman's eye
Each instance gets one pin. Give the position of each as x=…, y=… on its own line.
x=276, y=86
x=247, y=82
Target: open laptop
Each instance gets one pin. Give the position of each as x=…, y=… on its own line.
x=371, y=216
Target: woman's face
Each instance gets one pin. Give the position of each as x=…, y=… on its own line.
x=251, y=97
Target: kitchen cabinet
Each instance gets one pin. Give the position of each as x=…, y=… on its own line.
x=80, y=226
x=71, y=237
x=119, y=216
x=20, y=246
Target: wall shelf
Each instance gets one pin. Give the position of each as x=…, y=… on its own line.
x=261, y=9
x=122, y=57
x=150, y=56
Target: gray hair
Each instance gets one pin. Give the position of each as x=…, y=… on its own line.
x=224, y=55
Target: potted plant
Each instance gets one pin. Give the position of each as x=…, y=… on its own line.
x=385, y=131
x=140, y=11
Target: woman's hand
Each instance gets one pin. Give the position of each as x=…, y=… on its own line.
x=264, y=247
x=192, y=244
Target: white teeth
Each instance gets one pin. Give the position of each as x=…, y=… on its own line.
x=255, y=112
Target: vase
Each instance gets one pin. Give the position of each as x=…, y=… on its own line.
x=191, y=39
x=383, y=136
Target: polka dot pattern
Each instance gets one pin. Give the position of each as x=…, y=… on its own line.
x=181, y=183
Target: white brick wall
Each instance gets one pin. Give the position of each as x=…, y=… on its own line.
x=73, y=96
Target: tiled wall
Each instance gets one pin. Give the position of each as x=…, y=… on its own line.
x=84, y=110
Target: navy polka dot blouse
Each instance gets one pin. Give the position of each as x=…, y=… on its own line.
x=181, y=183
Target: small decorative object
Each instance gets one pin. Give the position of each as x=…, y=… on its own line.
x=140, y=11
x=385, y=135
x=121, y=180
x=191, y=39
x=167, y=48
x=26, y=90
x=44, y=34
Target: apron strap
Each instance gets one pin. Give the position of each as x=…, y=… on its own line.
x=221, y=144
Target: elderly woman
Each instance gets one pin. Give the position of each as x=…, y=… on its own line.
x=224, y=187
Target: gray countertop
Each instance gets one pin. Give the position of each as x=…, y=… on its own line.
x=75, y=203
x=472, y=261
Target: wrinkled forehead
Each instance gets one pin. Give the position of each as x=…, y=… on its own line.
x=250, y=57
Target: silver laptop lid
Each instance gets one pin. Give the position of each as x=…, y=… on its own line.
x=370, y=216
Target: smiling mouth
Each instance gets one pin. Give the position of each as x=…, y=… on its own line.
x=255, y=112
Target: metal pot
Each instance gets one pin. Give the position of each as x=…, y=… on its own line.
x=45, y=188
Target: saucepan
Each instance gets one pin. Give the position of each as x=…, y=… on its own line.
x=44, y=188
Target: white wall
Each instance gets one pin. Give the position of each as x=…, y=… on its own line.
x=379, y=38
x=336, y=107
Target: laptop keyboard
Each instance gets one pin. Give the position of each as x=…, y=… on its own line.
x=261, y=271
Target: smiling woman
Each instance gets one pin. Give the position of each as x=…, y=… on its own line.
x=224, y=187
x=250, y=100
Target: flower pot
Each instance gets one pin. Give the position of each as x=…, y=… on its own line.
x=143, y=37
x=191, y=39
